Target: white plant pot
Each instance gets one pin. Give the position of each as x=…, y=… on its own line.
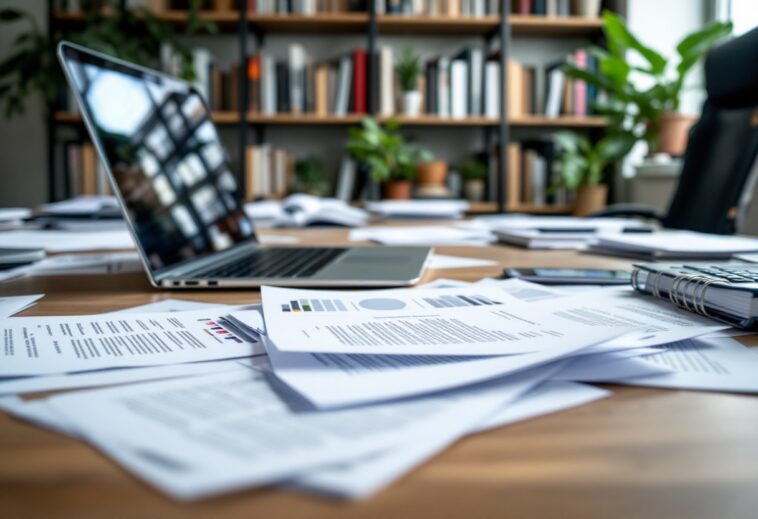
x=587, y=8
x=412, y=103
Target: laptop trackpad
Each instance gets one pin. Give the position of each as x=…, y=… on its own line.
x=377, y=263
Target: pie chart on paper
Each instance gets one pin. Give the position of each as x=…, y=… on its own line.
x=382, y=303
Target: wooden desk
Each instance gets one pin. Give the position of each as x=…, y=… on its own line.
x=641, y=453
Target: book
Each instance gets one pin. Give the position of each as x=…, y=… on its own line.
x=554, y=91
x=296, y=93
x=360, y=81
x=443, y=87
x=492, y=89
x=342, y=95
x=254, y=84
x=386, y=82
x=459, y=89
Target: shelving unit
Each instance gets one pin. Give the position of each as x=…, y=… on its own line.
x=254, y=27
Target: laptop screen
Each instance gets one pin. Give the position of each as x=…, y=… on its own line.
x=165, y=156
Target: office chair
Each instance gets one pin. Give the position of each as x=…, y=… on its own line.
x=719, y=170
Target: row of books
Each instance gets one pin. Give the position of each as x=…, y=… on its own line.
x=555, y=8
x=269, y=172
x=531, y=172
x=451, y=8
x=305, y=7
x=83, y=172
x=546, y=90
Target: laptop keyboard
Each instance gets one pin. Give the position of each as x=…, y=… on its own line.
x=281, y=262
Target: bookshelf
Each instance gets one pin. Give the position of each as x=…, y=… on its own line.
x=252, y=28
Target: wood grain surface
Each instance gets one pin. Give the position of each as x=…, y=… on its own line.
x=643, y=453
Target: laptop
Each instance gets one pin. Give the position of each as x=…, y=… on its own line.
x=180, y=199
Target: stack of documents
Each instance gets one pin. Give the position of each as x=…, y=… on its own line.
x=355, y=388
x=674, y=245
x=422, y=235
x=300, y=210
x=448, y=209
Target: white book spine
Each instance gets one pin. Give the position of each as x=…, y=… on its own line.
x=297, y=76
x=443, y=87
x=201, y=62
x=343, y=87
x=492, y=90
x=458, y=89
x=268, y=85
x=555, y=93
x=387, y=79
x=539, y=180
x=477, y=76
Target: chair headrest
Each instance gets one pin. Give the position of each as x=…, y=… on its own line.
x=731, y=72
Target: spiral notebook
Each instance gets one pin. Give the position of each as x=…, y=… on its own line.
x=724, y=291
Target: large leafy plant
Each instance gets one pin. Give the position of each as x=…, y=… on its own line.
x=31, y=67
x=387, y=154
x=582, y=163
x=634, y=109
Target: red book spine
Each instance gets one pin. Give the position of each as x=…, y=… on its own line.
x=524, y=6
x=360, y=81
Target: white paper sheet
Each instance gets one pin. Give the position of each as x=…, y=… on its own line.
x=419, y=208
x=82, y=205
x=66, y=241
x=365, y=477
x=404, y=321
x=51, y=345
x=605, y=366
x=14, y=304
x=422, y=235
x=277, y=239
x=441, y=261
x=476, y=320
x=79, y=264
x=200, y=436
x=705, y=363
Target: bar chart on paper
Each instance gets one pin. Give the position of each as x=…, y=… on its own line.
x=386, y=303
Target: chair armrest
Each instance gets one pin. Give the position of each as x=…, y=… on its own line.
x=640, y=211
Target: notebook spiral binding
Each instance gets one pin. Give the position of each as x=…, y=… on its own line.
x=687, y=290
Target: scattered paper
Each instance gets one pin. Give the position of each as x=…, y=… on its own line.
x=702, y=364
x=277, y=239
x=80, y=264
x=13, y=214
x=419, y=208
x=200, y=436
x=66, y=241
x=475, y=320
x=53, y=345
x=441, y=261
x=15, y=304
x=424, y=235
x=362, y=478
x=85, y=204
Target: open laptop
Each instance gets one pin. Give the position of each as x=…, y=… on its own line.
x=180, y=200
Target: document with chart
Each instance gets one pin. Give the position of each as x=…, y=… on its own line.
x=48, y=345
x=475, y=320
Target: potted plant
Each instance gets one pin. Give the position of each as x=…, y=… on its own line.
x=311, y=177
x=581, y=163
x=390, y=158
x=650, y=113
x=474, y=174
x=408, y=70
x=32, y=67
x=432, y=173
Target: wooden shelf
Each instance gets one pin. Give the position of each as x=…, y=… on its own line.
x=227, y=21
x=75, y=118
x=558, y=27
x=567, y=121
x=319, y=23
x=445, y=25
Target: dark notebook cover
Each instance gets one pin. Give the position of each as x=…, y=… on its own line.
x=282, y=87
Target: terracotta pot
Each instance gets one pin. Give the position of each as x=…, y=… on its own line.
x=223, y=5
x=474, y=190
x=675, y=129
x=590, y=199
x=432, y=173
x=397, y=189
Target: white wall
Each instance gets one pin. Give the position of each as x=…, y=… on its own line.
x=23, y=165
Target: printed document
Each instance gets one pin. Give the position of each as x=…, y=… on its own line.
x=476, y=320
x=200, y=436
x=66, y=241
x=49, y=345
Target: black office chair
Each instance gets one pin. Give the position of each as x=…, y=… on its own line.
x=719, y=164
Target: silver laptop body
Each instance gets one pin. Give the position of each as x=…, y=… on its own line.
x=179, y=198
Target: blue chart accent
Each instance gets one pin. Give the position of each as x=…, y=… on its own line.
x=382, y=304
x=340, y=306
x=328, y=305
x=316, y=304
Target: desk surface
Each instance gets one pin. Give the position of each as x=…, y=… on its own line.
x=640, y=453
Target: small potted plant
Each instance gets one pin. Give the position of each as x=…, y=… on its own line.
x=311, y=177
x=388, y=156
x=651, y=113
x=581, y=163
x=408, y=70
x=474, y=174
x=432, y=173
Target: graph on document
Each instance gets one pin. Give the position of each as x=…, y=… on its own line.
x=385, y=303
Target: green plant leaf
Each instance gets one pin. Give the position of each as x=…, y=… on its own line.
x=620, y=39
x=698, y=43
